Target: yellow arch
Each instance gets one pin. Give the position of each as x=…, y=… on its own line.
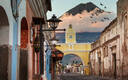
x=79, y=49
x=71, y=47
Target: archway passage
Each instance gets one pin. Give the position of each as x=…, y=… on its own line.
x=72, y=64
x=23, y=72
x=4, y=42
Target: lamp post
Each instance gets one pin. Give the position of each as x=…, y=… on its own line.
x=53, y=23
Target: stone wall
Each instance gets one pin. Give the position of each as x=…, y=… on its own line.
x=122, y=8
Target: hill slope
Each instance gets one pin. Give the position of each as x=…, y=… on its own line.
x=83, y=37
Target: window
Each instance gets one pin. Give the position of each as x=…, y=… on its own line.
x=105, y=50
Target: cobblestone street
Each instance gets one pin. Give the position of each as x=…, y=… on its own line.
x=75, y=76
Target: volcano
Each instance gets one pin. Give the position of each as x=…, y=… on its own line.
x=86, y=17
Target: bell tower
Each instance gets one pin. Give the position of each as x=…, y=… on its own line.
x=70, y=35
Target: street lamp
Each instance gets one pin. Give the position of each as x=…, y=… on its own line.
x=53, y=22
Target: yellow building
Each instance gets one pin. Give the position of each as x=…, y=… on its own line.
x=79, y=49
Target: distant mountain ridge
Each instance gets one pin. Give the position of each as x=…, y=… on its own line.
x=82, y=37
x=81, y=7
x=86, y=17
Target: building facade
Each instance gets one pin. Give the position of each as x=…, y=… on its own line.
x=17, y=37
x=122, y=13
x=108, y=56
x=105, y=55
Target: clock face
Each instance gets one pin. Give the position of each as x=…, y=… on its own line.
x=70, y=36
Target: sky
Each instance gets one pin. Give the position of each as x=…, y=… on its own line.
x=59, y=7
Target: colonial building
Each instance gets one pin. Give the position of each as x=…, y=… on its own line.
x=108, y=56
x=19, y=61
x=105, y=54
x=122, y=15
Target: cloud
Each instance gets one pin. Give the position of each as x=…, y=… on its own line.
x=87, y=22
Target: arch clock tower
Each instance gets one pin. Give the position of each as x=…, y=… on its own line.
x=70, y=35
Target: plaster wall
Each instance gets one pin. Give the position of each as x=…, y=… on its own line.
x=7, y=7
x=4, y=35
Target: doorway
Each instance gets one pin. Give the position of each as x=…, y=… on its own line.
x=114, y=66
x=23, y=68
x=99, y=60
